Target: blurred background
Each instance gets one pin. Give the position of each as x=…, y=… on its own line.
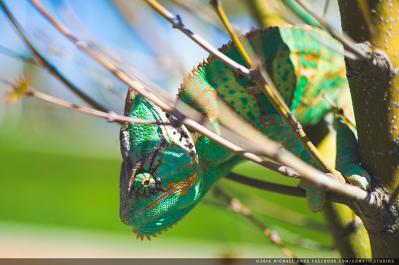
x=59, y=170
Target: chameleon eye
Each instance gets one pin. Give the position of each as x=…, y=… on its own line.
x=145, y=184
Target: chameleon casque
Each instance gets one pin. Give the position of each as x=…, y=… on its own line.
x=166, y=170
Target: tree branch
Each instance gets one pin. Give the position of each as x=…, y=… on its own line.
x=12, y=54
x=109, y=116
x=265, y=185
x=239, y=208
x=297, y=5
x=178, y=24
x=280, y=188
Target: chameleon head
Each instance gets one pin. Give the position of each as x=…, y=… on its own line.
x=160, y=181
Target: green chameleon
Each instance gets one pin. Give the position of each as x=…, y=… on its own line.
x=166, y=170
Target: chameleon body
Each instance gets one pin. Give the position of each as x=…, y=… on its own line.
x=167, y=170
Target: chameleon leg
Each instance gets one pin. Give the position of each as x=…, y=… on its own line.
x=348, y=159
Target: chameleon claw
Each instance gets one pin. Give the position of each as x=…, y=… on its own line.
x=359, y=181
x=137, y=234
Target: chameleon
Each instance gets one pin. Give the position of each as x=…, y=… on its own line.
x=167, y=170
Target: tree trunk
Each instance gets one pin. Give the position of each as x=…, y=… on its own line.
x=375, y=94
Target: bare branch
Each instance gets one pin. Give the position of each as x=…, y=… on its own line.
x=109, y=116
x=282, y=189
x=346, y=41
x=239, y=208
x=177, y=23
x=268, y=186
x=199, y=10
x=289, y=237
x=165, y=54
x=46, y=64
x=325, y=9
x=13, y=54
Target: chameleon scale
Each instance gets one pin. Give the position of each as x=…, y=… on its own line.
x=167, y=170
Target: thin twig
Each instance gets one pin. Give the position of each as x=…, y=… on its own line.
x=279, y=188
x=347, y=42
x=267, y=148
x=46, y=64
x=326, y=5
x=165, y=54
x=200, y=10
x=217, y=5
x=177, y=23
x=265, y=185
x=301, y=13
x=239, y=208
x=289, y=237
x=109, y=116
x=15, y=55
x=272, y=93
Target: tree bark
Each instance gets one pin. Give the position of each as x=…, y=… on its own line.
x=374, y=88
